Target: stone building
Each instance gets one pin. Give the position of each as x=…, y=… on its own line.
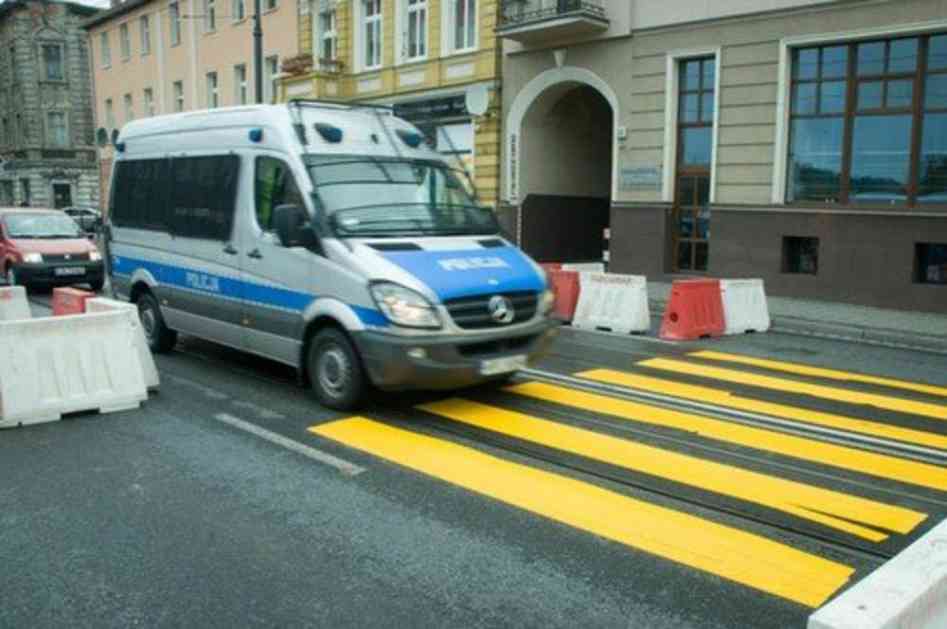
x=46, y=125
x=801, y=141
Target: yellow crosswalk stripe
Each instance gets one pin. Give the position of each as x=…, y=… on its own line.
x=869, y=463
x=885, y=402
x=730, y=553
x=821, y=372
x=831, y=508
x=726, y=398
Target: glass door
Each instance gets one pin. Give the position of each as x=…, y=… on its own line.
x=692, y=223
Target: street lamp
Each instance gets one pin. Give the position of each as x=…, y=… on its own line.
x=258, y=50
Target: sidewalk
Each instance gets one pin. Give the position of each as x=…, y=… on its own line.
x=919, y=330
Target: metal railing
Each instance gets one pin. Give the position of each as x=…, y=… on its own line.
x=520, y=12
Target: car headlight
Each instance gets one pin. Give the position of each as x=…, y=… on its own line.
x=404, y=306
x=547, y=301
x=33, y=258
x=95, y=256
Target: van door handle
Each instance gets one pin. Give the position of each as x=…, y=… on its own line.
x=255, y=254
x=230, y=250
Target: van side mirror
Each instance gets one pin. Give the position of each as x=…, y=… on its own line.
x=292, y=226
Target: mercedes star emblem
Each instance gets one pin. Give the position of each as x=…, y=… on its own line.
x=501, y=309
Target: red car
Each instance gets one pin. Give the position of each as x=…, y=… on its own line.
x=46, y=247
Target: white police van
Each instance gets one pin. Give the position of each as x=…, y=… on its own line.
x=328, y=237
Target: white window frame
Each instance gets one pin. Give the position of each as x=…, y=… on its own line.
x=671, y=104
x=148, y=99
x=65, y=130
x=174, y=19
x=144, y=27
x=786, y=46
x=177, y=88
x=125, y=41
x=271, y=70
x=448, y=39
x=109, y=114
x=238, y=11
x=129, y=105
x=322, y=35
x=406, y=13
x=210, y=16
x=212, y=84
x=361, y=40
x=241, y=85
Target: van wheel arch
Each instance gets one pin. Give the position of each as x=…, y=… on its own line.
x=312, y=329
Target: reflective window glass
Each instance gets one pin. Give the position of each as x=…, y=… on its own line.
x=690, y=108
x=696, y=147
x=902, y=56
x=871, y=59
x=937, y=53
x=804, y=98
x=806, y=65
x=816, y=159
x=870, y=95
x=832, y=99
x=935, y=92
x=900, y=94
x=834, y=62
x=932, y=182
x=881, y=158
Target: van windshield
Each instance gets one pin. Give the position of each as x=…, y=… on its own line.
x=41, y=225
x=384, y=197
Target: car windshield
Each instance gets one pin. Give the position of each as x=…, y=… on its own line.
x=386, y=197
x=37, y=225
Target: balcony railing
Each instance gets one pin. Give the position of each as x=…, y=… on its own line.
x=530, y=21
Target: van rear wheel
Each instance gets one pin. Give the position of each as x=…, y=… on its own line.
x=161, y=339
x=335, y=371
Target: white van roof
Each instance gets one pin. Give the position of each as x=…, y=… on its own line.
x=365, y=131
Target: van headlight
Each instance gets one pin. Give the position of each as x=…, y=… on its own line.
x=404, y=306
x=33, y=258
x=547, y=301
x=95, y=256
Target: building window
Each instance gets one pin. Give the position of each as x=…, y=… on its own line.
x=145, y=27
x=241, y=92
x=178, y=88
x=129, y=108
x=869, y=123
x=210, y=16
x=328, y=38
x=52, y=60
x=125, y=42
x=174, y=17
x=213, y=97
x=270, y=5
x=272, y=74
x=149, y=102
x=800, y=255
x=464, y=24
x=5, y=138
x=695, y=129
x=371, y=29
x=109, y=114
x=239, y=10
x=27, y=191
x=930, y=263
x=106, y=50
x=415, y=34
x=6, y=193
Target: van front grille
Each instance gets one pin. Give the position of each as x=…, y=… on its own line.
x=473, y=313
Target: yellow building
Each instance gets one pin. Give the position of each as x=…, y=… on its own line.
x=420, y=56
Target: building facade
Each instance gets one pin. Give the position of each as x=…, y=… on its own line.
x=420, y=56
x=47, y=153
x=151, y=57
x=801, y=141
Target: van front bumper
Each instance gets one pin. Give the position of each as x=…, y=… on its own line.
x=397, y=363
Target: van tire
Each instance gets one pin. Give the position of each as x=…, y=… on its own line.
x=335, y=371
x=160, y=338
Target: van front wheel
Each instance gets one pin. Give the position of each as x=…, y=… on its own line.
x=335, y=371
x=161, y=339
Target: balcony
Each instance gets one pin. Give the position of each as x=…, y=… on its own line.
x=532, y=22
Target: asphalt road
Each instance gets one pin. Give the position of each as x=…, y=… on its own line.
x=622, y=482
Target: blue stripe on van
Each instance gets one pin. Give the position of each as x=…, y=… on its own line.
x=210, y=284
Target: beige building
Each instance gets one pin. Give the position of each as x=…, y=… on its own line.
x=153, y=57
x=801, y=141
x=421, y=57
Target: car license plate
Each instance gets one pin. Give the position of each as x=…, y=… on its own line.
x=502, y=365
x=69, y=271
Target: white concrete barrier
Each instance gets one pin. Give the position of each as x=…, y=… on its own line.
x=585, y=267
x=908, y=592
x=13, y=304
x=102, y=304
x=744, y=306
x=618, y=303
x=57, y=365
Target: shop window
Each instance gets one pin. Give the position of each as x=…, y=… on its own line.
x=930, y=263
x=800, y=255
x=869, y=123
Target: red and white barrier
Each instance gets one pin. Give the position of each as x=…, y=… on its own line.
x=617, y=303
x=147, y=360
x=744, y=306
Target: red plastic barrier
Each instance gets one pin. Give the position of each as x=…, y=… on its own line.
x=70, y=301
x=551, y=266
x=565, y=286
x=694, y=310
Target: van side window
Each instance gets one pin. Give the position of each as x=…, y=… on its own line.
x=203, y=196
x=139, y=194
x=275, y=186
